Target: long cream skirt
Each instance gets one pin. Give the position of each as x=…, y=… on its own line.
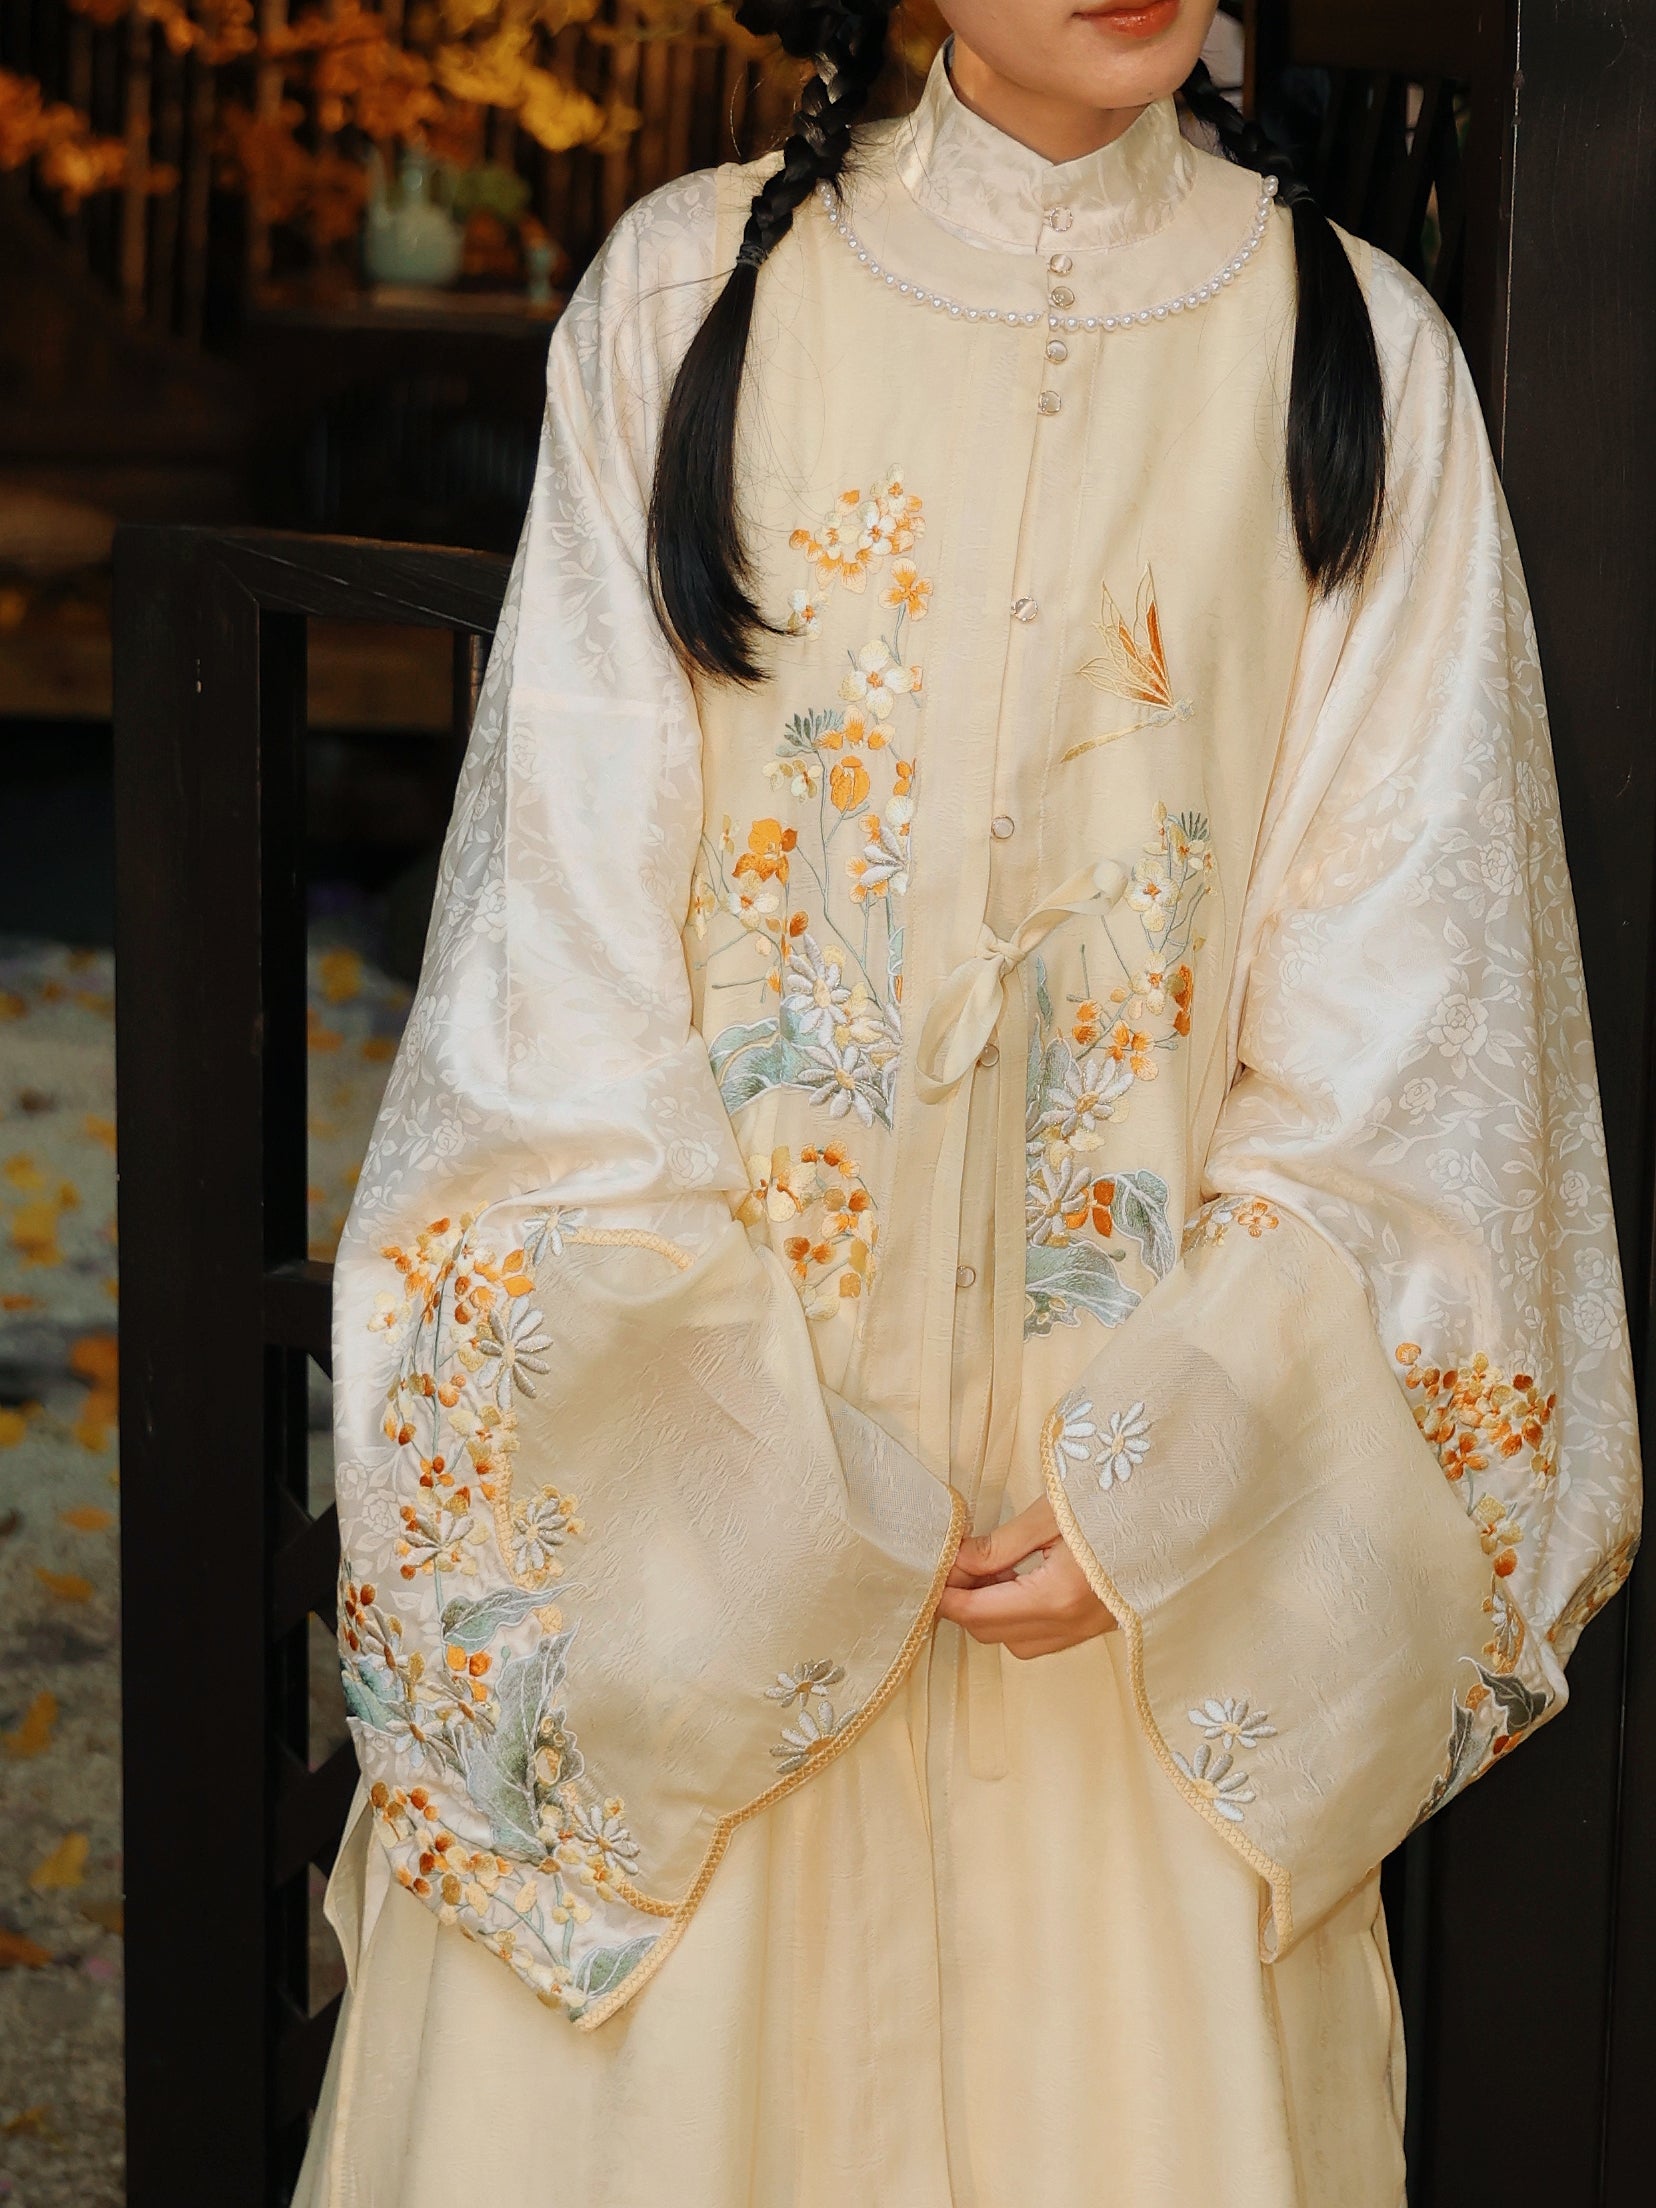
x=909, y=1986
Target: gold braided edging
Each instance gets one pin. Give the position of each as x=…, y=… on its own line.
x=680, y=1912
x=633, y=1238
x=1279, y=1914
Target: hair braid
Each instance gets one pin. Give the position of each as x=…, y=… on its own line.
x=698, y=563
x=1336, y=403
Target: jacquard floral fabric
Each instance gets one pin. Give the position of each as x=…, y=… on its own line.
x=1090, y=1018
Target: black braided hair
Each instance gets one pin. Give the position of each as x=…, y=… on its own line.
x=700, y=575
x=1336, y=405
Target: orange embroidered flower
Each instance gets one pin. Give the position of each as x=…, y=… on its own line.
x=767, y=853
x=848, y=784
x=908, y=589
x=1131, y=1047
x=1183, y=993
x=1089, y=1024
x=1470, y=1413
x=1103, y=1211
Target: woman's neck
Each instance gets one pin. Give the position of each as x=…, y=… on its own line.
x=1057, y=129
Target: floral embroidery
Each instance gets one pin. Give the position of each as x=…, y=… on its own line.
x=1113, y=1449
x=1082, y=1076
x=832, y=1256
x=1485, y=1721
x=814, y=1722
x=819, y=897
x=1233, y=1723
x=1225, y=1725
x=1213, y=1774
x=471, y=1702
x=1594, y=1592
x=1207, y=1228
x=1480, y=1420
x=860, y=529
x=1132, y=665
x=1472, y=1415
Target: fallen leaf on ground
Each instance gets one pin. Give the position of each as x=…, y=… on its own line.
x=9, y=1523
x=35, y=1731
x=19, y=1952
x=65, y=1866
x=111, y=1915
x=67, y=1586
x=87, y=1518
x=96, y=1358
x=36, y=2120
x=14, y=1424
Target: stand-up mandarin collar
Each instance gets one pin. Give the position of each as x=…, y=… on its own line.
x=992, y=191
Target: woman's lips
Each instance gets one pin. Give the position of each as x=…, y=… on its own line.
x=1139, y=19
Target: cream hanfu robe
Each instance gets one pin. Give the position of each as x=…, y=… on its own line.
x=1091, y=1018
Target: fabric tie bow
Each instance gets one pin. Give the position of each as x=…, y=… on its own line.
x=967, y=1007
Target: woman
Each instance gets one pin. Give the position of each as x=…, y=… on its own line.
x=1004, y=960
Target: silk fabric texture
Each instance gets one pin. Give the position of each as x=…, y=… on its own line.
x=1092, y=1019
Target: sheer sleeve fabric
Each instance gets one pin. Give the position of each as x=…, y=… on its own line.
x=616, y=1568
x=1363, y=1464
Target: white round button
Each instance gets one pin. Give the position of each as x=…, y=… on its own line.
x=989, y=1056
x=1002, y=826
x=1057, y=349
x=965, y=1275
x=1060, y=264
x=1061, y=296
x=1059, y=218
x=1024, y=609
x=1048, y=403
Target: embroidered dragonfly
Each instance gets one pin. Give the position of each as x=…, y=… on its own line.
x=1132, y=665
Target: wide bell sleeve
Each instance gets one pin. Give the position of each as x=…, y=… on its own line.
x=1362, y=1464
x=617, y=1570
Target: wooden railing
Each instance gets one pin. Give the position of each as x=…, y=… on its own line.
x=223, y=1564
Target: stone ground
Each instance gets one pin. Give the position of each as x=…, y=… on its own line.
x=60, y=1801
x=60, y=1807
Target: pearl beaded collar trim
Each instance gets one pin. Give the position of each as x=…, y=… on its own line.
x=1019, y=318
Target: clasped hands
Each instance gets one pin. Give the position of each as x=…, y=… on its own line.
x=1031, y=1613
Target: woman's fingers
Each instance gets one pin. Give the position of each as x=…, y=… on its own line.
x=991, y=1556
x=1031, y=1613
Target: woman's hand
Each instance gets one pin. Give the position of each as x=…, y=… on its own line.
x=1033, y=1613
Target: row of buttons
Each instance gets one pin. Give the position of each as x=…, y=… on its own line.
x=1059, y=297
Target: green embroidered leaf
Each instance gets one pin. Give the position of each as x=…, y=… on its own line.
x=771, y=1066
x=1061, y=1281
x=1043, y=995
x=1519, y=1705
x=1140, y=1211
x=804, y=731
x=1464, y=1748
x=731, y=1041
x=603, y=1970
x=472, y=1625
x=499, y=1767
x=363, y=1702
